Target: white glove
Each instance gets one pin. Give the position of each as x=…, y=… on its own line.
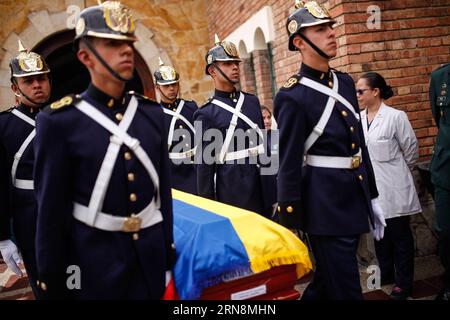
x=378, y=220
x=11, y=256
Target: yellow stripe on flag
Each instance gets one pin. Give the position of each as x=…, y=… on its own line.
x=267, y=243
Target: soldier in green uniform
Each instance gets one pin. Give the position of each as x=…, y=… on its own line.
x=440, y=167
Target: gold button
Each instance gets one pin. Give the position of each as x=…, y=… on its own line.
x=38, y=283
x=330, y=83
x=135, y=236
x=344, y=113
x=133, y=197
x=183, y=136
x=187, y=145
x=131, y=177
x=127, y=156
x=290, y=209
x=352, y=129
x=111, y=103
x=279, y=209
x=181, y=126
x=43, y=286
x=119, y=116
x=360, y=177
x=172, y=246
x=353, y=146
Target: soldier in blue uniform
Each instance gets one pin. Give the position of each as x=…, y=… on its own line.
x=104, y=227
x=179, y=117
x=326, y=185
x=440, y=168
x=228, y=170
x=31, y=85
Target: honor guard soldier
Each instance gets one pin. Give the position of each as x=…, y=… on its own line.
x=102, y=176
x=179, y=116
x=30, y=83
x=326, y=184
x=229, y=174
x=440, y=167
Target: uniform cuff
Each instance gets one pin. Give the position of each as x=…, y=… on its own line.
x=289, y=214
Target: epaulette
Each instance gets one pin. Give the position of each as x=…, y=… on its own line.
x=62, y=104
x=291, y=82
x=207, y=101
x=139, y=95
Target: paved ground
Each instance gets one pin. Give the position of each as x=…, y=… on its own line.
x=427, y=284
x=428, y=273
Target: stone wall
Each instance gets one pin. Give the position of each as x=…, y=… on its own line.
x=173, y=29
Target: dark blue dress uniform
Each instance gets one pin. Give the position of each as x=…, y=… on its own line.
x=332, y=205
x=70, y=148
x=230, y=182
x=183, y=171
x=16, y=202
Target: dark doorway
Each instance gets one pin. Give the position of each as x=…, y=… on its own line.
x=69, y=76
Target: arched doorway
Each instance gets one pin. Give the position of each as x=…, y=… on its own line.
x=70, y=76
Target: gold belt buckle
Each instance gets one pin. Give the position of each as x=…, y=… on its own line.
x=356, y=162
x=132, y=224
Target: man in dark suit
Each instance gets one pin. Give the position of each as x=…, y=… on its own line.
x=229, y=172
x=30, y=83
x=104, y=227
x=179, y=118
x=326, y=185
x=440, y=167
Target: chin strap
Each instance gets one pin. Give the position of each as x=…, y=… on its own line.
x=323, y=54
x=165, y=97
x=39, y=104
x=224, y=75
x=103, y=62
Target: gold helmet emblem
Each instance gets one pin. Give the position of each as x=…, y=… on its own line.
x=168, y=73
x=81, y=25
x=118, y=17
x=210, y=59
x=317, y=10
x=292, y=27
x=29, y=61
x=230, y=49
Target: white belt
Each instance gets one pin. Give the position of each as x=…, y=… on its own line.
x=241, y=154
x=24, y=184
x=334, y=162
x=146, y=218
x=182, y=155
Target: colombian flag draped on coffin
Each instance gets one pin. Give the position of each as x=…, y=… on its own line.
x=217, y=242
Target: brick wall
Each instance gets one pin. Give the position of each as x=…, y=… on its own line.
x=262, y=77
x=247, y=80
x=413, y=40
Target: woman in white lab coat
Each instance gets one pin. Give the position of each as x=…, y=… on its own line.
x=393, y=147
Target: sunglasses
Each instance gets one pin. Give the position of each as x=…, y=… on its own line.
x=361, y=91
